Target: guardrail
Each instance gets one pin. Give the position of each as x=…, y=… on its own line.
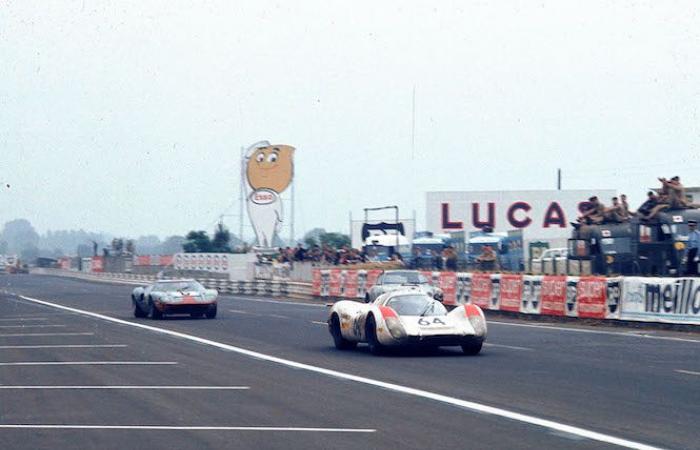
x=273, y=288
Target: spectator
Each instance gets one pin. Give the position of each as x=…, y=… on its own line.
x=594, y=214
x=487, y=260
x=450, y=259
x=645, y=208
x=300, y=253
x=691, y=252
x=675, y=191
x=437, y=260
x=397, y=259
x=616, y=213
x=625, y=207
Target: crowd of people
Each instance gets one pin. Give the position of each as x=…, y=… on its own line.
x=325, y=254
x=670, y=195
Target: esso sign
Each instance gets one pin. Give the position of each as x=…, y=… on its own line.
x=262, y=197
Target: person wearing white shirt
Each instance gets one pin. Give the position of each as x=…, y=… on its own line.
x=692, y=248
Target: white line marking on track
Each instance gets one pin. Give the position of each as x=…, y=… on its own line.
x=157, y=427
x=32, y=326
x=512, y=347
x=46, y=334
x=580, y=330
x=66, y=346
x=22, y=319
x=687, y=372
x=473, y=406
x=259, y=300
x=193, y=388
x=319, y=323
x=90, y=363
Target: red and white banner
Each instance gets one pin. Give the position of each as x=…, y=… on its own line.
x=97, y=264
x=349, y=286
x=448, y=284
x=316, y=283
x=591, y=293
x=334, y=290
x=553, y=295
x=481, y=289
x=511, y=292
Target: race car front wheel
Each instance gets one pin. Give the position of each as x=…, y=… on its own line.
x=371, y=332
x=153, y=312
x=210, y=312
x=340, y=342
x=138, y=312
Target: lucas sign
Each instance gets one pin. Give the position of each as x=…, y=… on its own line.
x=540, y=214
x=269, y=171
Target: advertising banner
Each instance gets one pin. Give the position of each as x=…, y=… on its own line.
x=613, y=297
x=464, y=287
x=553, y=295
x=372, y=276
x=334, y=290
x=511, y=292
x=591, y=293
x=481, y=290
x=97, y=264
x=350, y=284
x=495, y=292
x=143, y=261
x=269, y=171
x=448, y=284
x=325, y=282
x=316, y=282
x=675, y=300
x=571, y=307
x=531, y=300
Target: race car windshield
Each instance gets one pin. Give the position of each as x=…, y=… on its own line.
x=404, y=278
x=179, y=286
x=416, y=305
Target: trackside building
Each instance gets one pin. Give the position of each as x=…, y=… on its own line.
x=541, y=215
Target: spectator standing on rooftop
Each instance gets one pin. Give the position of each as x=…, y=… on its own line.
x=626, y=207
x=595, y=212
x=616, y=212
x=691, y=251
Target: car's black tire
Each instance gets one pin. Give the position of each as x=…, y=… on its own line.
x=138, y=312
x=153, y=312
x=340, y=342
x=375, y=347
x=210, y=313
x=472, y=348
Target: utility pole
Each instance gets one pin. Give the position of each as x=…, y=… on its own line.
x=558, y=179
x=241, y=196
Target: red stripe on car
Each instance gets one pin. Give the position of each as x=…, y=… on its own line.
x=471, y=310
x=387, y=312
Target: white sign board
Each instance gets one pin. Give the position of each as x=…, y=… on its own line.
x=541, y=215
x=674, y=300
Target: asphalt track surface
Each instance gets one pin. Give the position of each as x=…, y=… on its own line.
x=70, y=380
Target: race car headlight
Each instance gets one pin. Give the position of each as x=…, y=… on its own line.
x=395, y=328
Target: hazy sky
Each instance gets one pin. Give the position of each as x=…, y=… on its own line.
x=128, y=117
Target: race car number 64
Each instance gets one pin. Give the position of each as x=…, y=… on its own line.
x=425, y=322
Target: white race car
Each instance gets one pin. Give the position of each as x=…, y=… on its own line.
x=407, y=317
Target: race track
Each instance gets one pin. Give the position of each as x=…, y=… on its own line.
x=265, y=374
